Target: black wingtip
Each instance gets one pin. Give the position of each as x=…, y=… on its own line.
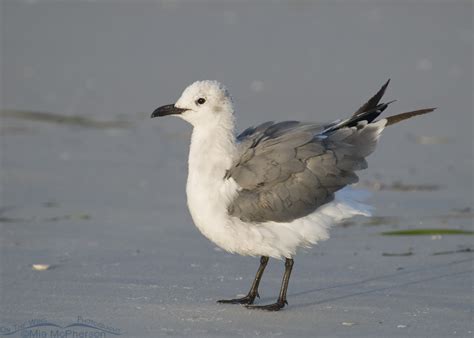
x=381, y=91
x=373, y=101
x=383, y=88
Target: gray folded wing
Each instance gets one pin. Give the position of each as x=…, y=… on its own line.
x=291, y=175
x=287, y=170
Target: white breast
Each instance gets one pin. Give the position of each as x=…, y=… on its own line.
x=211, y=154
x=209, y=194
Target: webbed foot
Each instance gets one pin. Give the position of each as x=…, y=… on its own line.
x=270, y=307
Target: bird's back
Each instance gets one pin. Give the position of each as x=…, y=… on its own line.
x=289, y=169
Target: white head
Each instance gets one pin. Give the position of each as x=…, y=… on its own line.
x=203, y=103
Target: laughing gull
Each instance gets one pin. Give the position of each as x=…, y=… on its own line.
x=275, y=187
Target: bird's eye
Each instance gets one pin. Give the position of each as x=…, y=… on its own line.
x=201, y=100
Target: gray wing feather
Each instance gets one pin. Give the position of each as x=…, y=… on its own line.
x=287, y=170
x=287, y=175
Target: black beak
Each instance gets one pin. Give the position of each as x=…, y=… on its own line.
x=169, y=109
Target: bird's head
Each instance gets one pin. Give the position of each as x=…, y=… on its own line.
x=202, y=103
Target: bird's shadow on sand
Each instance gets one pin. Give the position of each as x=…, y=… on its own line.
x=387, y=276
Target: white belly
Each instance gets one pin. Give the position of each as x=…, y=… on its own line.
x=209, y=194
x=208, y=206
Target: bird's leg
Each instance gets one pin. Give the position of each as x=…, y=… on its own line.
x=281, y=301
x=253, y=289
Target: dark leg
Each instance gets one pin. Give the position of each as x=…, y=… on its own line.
x=253, y=290
x=280, y=303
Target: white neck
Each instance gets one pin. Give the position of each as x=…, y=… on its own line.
x=212, y=152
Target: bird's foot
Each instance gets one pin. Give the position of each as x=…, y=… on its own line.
x=280, y=304
x=247, y=300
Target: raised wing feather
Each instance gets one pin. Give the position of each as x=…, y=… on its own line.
x=290, y=176
x=287, y=170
